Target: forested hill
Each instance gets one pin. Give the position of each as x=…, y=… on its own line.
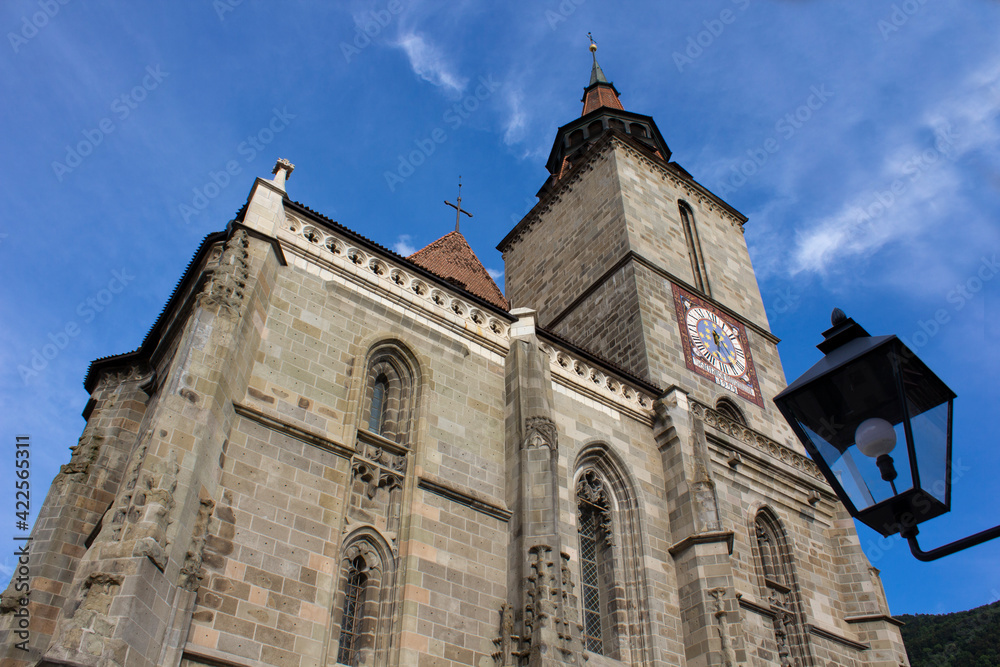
x=963, y=639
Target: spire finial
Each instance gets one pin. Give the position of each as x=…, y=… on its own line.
x=458, y=207
x=593, y=44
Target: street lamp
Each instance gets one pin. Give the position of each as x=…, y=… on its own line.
x=877, y=422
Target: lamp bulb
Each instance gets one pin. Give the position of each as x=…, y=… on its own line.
x=875, y=437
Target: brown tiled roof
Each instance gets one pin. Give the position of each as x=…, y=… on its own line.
x=451, y=258
x=601, y=96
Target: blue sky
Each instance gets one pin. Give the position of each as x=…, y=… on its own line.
x=861, y=141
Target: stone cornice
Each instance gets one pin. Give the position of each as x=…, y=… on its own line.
x=396, y=281
x=297, y=432
x=759, y=441
x=466, y=497
x=875, y=618
x=757, y=608
x=726, y=536
x=835, y=637
x=597, y=383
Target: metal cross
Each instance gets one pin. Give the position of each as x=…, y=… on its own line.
x=458, y=207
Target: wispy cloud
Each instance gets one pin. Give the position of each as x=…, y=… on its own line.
x=402, y=246
x=516, y=124
x=429, y=63
x=916, y=193
x=495, y=274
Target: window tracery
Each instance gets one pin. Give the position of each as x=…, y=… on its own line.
x=612, y=584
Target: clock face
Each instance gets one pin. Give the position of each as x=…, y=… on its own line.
x=716, y=342
x=715, y=346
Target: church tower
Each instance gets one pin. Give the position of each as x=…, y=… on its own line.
x=324, y=453
x=627, y=255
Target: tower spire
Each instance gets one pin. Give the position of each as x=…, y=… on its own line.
x=599, y=92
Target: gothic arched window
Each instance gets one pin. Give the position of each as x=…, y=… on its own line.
x=694, y=248
x=364, y=601
x=389, y=393
x=781, y=589
x=350, y=620
x=612, y=583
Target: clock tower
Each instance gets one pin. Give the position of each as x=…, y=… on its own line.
x=627, y=255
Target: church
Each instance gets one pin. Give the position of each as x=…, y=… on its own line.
x=324, y=453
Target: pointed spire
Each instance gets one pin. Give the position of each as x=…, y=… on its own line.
x=596, y=73
x=600, y=92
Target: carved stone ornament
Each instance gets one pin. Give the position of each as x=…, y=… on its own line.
x=375, y=477
x=592, y=496
x=376, y=454
x=228, y=279
x=505, y=654
x=368, y=554
x=781, y=623
x=540, y=432
x=191, y=571
x=115, y=377
x=722, y=627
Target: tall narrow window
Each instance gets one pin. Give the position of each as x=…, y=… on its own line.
x=354, y=606
x=694, y=249
x=376, y=419
x=611, y=593
x=596, y=568
x=591, y=582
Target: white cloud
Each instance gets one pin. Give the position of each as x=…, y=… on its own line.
x=429, y=63
x=402, y=246
x=916, y=194
x=495, y=274
x=516, y=125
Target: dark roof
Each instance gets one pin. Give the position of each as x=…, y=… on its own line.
x=451, y=258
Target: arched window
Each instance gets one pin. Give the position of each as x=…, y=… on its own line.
x=389, y=399
x=365, y=600
x=594, y=129
x=730, y=410
x=780, y=589
x=376, y=417
x=350, y=621
x=576, y=138
x=700, y=275
x=616, y=124
x=612, y=588
x=638, y=130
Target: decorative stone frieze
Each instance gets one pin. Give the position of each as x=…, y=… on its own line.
x=572, y=371
x=759, y=441
x=394, y=279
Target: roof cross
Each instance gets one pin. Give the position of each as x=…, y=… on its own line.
x=458, y=207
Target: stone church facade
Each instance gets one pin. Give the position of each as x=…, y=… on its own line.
x=325, y=453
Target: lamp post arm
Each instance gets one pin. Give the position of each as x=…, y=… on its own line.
x=910, y=534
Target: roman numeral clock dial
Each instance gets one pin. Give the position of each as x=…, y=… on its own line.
x=715, y=346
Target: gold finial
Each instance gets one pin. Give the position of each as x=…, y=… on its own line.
x=593, y=44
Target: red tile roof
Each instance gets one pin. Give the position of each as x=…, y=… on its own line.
x=602, y=95
x=451, y=258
